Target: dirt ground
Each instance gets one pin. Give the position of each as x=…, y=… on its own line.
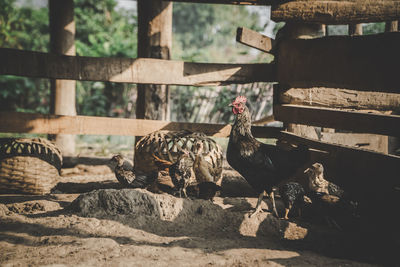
x=132, y=227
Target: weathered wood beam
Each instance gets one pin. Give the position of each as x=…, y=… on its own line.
x=62, y=42
x=154, y=41
x=15, y=122
x=359, y=171
x=336, y=12
x=340, y=98
x=355, y=29
x=372, y=142
x=127, y=70
x=366, y=63
x=253, y=39
x=392, y=26
x=231, y=2
x=320, y=11
x=339, y=119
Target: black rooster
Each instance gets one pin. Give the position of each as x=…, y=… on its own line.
x=262, y=165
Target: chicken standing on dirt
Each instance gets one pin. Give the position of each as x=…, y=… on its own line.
x=292, y=194
x=179, y=171
x=262, y=165
x=128, y=178
x=206, y=175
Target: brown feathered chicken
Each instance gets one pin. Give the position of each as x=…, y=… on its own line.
x=179, y=171
x=262, y=165
x=206, y=175
x=128, y=178
x=317, y=182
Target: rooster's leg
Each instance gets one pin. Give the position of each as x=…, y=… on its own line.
x=272, y=196
x=258, y=206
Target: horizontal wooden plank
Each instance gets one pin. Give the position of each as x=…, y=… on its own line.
x=320, y=11
x=365, y=63
x=339, y=119
x=336, y=12
x=340, y=98
x=230, y=2
x=127, y=70
x=359, y=171
x=373, y=142
x=253, y=39
x=16, y=122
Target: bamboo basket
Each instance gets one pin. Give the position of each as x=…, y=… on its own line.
x=169, y=145
x=29, y=166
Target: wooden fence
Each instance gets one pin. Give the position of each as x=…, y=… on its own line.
x=316, y=77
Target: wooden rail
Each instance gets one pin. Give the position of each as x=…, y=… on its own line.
x=320, y=11
x=336, y=12
x=15, y=122
x=340, y=98
x=127, y=70
x=339, y=119
x=365, y=63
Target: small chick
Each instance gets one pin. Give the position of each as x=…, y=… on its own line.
x=128, y=178
x=181, y=173
x=123, y=175
x=292, y=194
x=317, y=182
x=205, y=176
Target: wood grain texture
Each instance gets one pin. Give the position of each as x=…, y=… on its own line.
x=339, y=119
x=231, y=2
x=340, y=98
x=253, y=39
x=336, y=12
x=365, y=63
x=154, y=41
x=378, y=143
x=15, y=122
x=127, y=70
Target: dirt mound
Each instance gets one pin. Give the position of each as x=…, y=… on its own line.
x=163, y=210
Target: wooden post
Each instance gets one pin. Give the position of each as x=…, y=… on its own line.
x=62, y=41
x=393, y=142
x=154, y=41
x=355, y=29
x=392, y=26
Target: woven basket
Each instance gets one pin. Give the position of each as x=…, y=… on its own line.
x=169, y=145
x=30, y=166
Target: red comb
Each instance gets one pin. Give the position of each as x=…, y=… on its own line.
x=241, y=99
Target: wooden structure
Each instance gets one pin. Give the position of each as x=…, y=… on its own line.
x=325, y=82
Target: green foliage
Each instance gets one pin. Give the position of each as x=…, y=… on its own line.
x=207, y=32
x=373, y=28
x=101, y=31
x=204, y=33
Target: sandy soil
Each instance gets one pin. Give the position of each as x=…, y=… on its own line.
x=160, y=230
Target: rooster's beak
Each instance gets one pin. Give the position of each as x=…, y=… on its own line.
x=230, y=105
